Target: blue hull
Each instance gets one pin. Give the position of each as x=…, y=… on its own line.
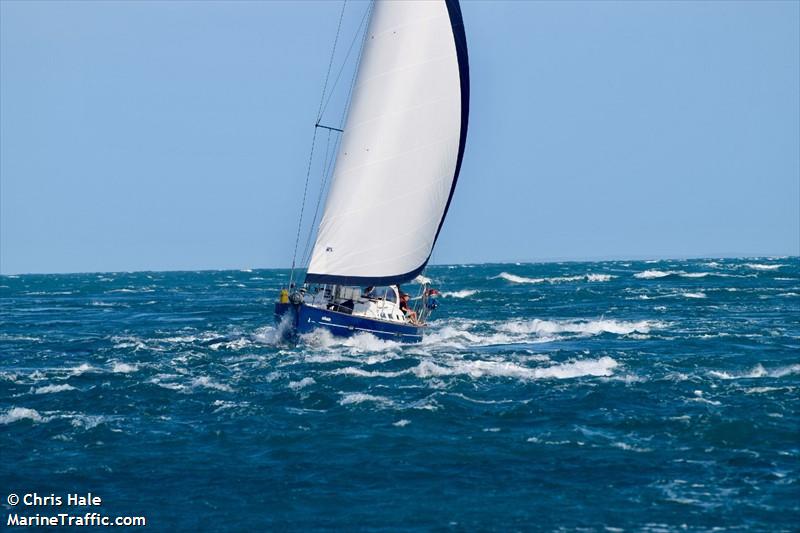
x=306, y=319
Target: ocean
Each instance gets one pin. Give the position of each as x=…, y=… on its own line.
x=602, y=396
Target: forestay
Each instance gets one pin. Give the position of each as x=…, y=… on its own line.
x=401, y=149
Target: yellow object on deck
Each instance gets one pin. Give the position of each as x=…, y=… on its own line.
x=284, y=296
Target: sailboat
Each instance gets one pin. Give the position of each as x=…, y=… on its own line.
x=394, y=177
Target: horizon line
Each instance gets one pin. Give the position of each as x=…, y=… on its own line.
x=602, y=259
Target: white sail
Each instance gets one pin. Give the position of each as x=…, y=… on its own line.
x=401, y=149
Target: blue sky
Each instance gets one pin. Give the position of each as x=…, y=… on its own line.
x=175, y=135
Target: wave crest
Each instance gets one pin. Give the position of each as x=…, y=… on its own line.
x=601, y=367
x=582, y=327
x=21, y=413
x=466, y=293
x=513, y=278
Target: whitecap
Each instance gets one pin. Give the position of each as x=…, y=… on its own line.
x=401, y=423
x=129, y=341
x=6, y=337
x=517, y=279
x=459, y=338
x=82, y=369
x=628, y=447
x=305, y=382
x=693, y=294
x=170, y=386
x=785, y=371
x=599, y=277
x=47, y=293
x=591, y=367
x=274, y=335
x=558, y=279
x=757, y=371
x=47, y=389
x=207, y=383
x=466, y=293
x=761, y=266
x=236, y=344
x=477, y=369
x=352, y=371
x=582, y=327
x=764, y=390
x=9, y=376
x=362, y=342
x=366, y=342
x=21, y=413
x=123, y=368
x=87, y=421
x=185, y=338
x=654, y=274
x=359, y=397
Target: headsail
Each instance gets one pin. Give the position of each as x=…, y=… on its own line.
x=401, y=149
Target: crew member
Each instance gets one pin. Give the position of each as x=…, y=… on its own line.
x=410, y=313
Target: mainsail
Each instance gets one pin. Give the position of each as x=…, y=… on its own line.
x=401, y=150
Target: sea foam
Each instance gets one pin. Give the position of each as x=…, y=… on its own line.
x=358, y=397
x=757, y=371
x=581, y=327
x=48, y=389
x=21, y=413
x=761, y=266
x=466, y=293
x=513, y=278
x=603, y=366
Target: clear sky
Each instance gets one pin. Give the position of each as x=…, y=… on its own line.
x=174, y=135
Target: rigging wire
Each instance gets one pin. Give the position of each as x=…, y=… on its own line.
x=330, y=63
x=355, y=71
x=302, y=208
x=304, y=255
x=346, y=57
x=327, y=166
x=313, y=142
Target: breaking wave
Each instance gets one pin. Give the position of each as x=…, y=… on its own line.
x=581, y=327
x=466, y=293
x=207, y=383
x=305, y=382
x=603, y=366
x=123, y=368
x=358, y=397
x=47, y=389
x=693, y=294
x=757, y=371
x=513, y=278
x=761, y=266
x=654, y=274
x=21, y=413
x=360, y=343
x=658, y=274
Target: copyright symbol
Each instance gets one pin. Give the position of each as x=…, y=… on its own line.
x=12, y=499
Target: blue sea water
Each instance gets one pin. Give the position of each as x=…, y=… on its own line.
x=607, y=396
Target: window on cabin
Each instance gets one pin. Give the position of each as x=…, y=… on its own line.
x=387, y=292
